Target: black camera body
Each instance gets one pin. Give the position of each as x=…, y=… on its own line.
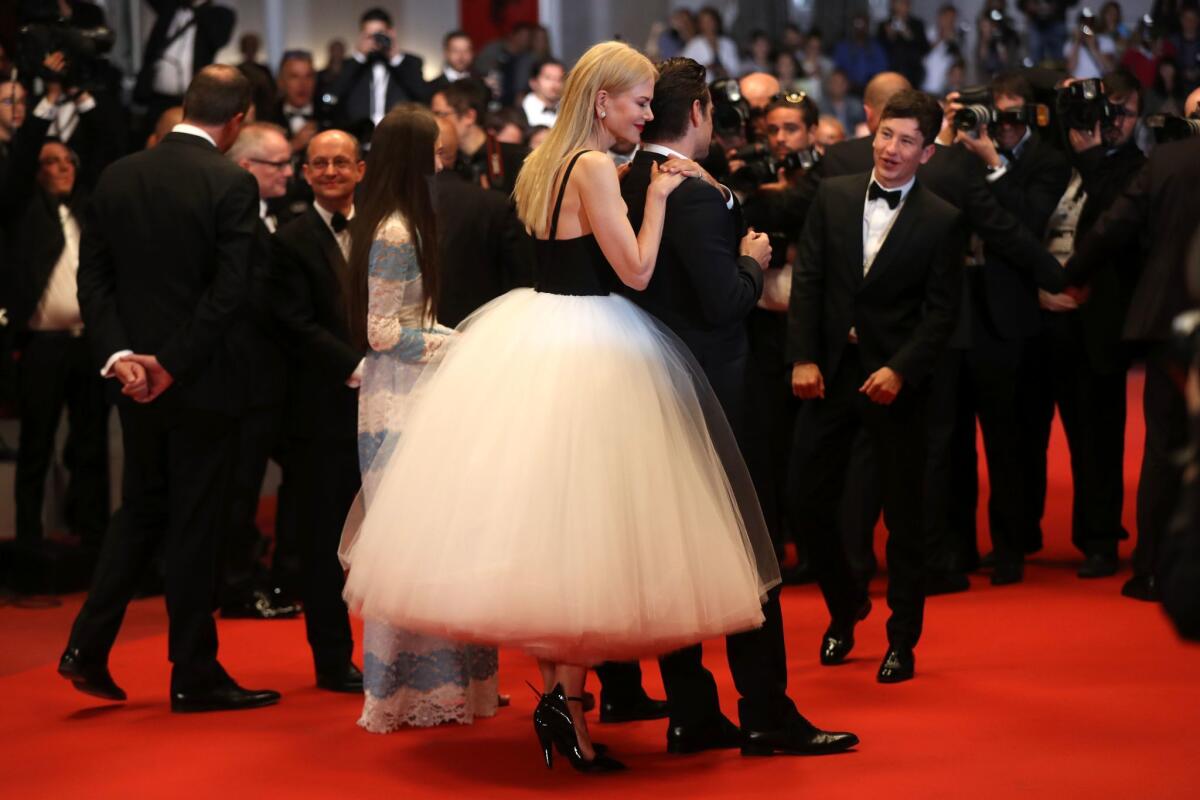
x=762, y=166
x=1083, y=104
x=1170, y=128
x=731, y=111
x=383, y=47
x=82, y=48
x=979, y=110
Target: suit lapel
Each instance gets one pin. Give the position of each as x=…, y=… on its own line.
x=329, y=246
x=902, y=228
x=852, y=209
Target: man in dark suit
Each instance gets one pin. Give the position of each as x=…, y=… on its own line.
x=1027, y=175
x=705, y=284
x=163, y=273
x=485, y=250
x=875, y=298
x=379, y=74
x=320, y=418
x=185, y=38
x=1161, y=207
x=40, y=210
x=481, y=158
x=458, y=55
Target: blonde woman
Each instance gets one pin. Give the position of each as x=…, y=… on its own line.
x=566, y=482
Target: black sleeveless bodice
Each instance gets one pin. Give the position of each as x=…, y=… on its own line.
x=570, y=266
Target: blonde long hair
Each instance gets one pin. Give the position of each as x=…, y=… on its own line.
x=611, y=66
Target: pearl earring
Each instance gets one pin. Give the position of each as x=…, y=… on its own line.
x=603, y=114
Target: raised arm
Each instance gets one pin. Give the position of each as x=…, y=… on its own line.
x=631, y=255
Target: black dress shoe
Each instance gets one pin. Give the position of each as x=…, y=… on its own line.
x=1007, y=572
x=632, y=710
x=988, y=561
x=798, y=738
x=839, y=638
x=946, y=583
x=261, y=605
x=1098, y=565
x=898, y=665
x=89, y=677
x=348, y=679
x=226, y=696
x=718, y=734
x=1141, y=587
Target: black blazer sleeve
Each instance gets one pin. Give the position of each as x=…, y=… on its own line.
x=805, y=306
x=295, y=307
x=236, y=227
x=943, y=295
x=96, y=282
x=726, y=286
x=1118, y=226
x=1034, y=200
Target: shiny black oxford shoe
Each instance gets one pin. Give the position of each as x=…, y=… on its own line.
x=839, y=638
x=898, y=665
x=89, y=677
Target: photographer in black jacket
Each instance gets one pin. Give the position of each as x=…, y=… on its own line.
x=1079, y=362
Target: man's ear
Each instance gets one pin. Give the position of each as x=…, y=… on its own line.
x=697, y=113
x=928, y=152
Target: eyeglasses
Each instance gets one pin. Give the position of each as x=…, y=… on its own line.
x=340, y=164
x=284, y=164
x=795, y=98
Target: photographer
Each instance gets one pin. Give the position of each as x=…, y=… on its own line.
x=482, y=159
x=1089, y=55
x=41, y=208
x=777, y=206
x=1160, y=207
x=903, y=38
x=1027, y=176
x=379, y=74
x=1079, y=362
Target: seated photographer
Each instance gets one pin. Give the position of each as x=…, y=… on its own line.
x=1078, y=363
x=40, y=209
x=1027, y=175
x=379, y=75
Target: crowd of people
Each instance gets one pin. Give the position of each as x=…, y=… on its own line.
x=256, y=264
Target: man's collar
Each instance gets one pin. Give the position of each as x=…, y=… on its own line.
x=454, y=75
x=262, y=208
x=291, y=109
x=192, y=130
x=327, y=216
x=662, y=150
x=904, y=189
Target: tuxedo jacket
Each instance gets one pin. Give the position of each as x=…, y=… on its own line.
x=33, y=236
x=701, y=288
x=164, y=264
x=306, y=280
x=1161, y=209
x=484, y=249
x=903, y=310
x=214, y=26
x=353, y=87
x=256, y=342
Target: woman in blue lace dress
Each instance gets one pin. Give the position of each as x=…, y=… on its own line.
x=410, y=679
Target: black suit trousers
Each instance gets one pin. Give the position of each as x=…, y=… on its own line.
x=178, y=470
x=1161, y=479
x=56, y=370
x=259, y=432
x=898, y=437
x=323, y=479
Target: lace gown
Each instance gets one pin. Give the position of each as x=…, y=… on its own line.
x=410, y=679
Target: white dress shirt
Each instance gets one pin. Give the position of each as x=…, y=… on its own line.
x=297, y=117
x=266, y=216
x=453, y=75
x=878, y=220
x=58, y=309
x=537, y=112
x=173, y=70
x=380, y=76
x=669, y=153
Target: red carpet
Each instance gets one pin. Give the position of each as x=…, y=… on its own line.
x=1053, y=688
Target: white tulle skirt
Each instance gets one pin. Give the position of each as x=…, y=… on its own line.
x=565, y=482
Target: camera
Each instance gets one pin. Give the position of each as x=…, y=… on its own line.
x=979, y=111
x=83, y=48
x=762, y=167
x=383, y=45
x=1083, y=104
x=1170, y=128
x=731, y=111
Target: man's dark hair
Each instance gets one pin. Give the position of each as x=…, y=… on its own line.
x=681, y=82
x=1014, y=84
x=498, y=120
x=807, y=108
x=541, y=64
x=375, y=14
x=919, y=106
x=1121, y=83
x=295, y=55
x=469, y=94
x=216, y=95
x=452, y=35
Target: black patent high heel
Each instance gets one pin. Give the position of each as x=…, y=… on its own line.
x=555, y=729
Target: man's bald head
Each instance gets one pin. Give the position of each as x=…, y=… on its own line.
x=1192, y=103
x=880, y=89
x=449, y=138
x=346, y=143
x=758, y=88
x=166, y=121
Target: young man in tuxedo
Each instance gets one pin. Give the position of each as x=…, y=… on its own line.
x=875, y=296
x=164, y=271
x=707, y=280
x=320, y=417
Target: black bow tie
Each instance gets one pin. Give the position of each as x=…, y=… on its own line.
x=877, y=192
x=338, y=221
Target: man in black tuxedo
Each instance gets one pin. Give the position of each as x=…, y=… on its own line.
x=40, y=209
x=485, y=250
x=320, y=418
x=164, y=271
x=875, y=296
x=185, y=38
x=378, y=76
x=458, y=55
x=705, y=284
x=1161, y=207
